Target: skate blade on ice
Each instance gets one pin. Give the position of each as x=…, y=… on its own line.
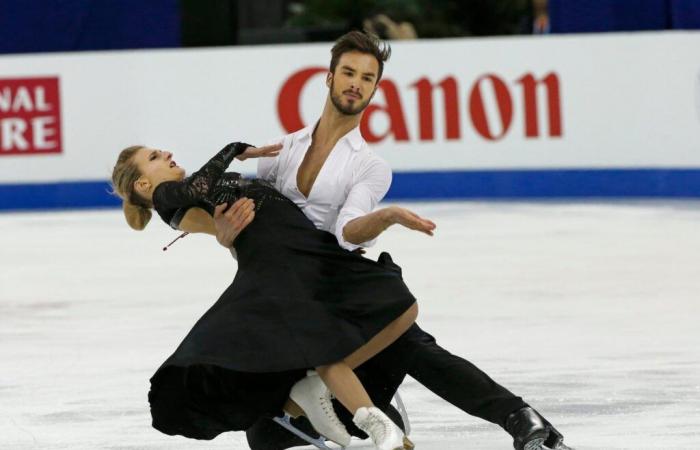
x=538, y=444
x=285, y=422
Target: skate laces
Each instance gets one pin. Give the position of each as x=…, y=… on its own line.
x=378, y=424
x=327, y=407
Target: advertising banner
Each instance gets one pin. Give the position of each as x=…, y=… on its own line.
x=615, y=115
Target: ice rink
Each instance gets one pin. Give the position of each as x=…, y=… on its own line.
x=588, y=311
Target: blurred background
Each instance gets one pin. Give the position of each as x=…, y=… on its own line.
x=73, y=25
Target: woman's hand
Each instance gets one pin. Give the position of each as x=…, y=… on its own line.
x=268, y=151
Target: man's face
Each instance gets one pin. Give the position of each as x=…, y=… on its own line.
x=354, y=82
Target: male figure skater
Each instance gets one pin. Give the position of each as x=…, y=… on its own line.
x=328, y=170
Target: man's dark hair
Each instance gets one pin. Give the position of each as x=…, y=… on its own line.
x=363, y=42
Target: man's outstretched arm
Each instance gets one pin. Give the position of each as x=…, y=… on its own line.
x=370, y=226
x=358, y=224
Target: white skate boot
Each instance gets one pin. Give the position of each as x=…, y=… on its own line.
x=383, y=432
x=313, y=397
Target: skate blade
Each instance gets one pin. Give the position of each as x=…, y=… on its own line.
x=535, y=444
x=286, y=424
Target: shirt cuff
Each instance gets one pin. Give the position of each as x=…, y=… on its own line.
x=349, y=245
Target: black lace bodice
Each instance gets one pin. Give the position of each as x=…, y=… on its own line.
x=208, y=187
x=172, y=199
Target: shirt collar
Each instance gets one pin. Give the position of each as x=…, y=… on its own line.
x=354, y=137
x=305, y=133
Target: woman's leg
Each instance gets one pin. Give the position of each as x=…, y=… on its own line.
x=384, y=338
x=344, y=384
x=340, y=377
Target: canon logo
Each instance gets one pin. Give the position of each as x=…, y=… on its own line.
x=475, y=106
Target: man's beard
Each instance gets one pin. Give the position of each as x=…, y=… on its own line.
x=350, y=109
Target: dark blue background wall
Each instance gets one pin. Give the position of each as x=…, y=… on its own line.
x=583, y=16
x=69, y=25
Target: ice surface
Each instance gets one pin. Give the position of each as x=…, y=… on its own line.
x=588, y=311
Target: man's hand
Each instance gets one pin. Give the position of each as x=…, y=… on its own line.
x=411, y=220
x=268, y=151
x=229, y=224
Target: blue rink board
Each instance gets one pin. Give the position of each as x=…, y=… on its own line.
x=448, y=185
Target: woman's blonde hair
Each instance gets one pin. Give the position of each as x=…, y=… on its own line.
x=137, y=210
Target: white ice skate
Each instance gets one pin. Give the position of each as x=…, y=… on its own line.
x=313, y=397
x=285, y=422
x=382, y=431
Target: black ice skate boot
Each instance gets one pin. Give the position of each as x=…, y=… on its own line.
x=531, y=431
x=555, y=441
x=527, y=428
x=268, y=435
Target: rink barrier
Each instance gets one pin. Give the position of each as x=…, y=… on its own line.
x=573, y=183
x=444, y=185
x=515, y=103
x=61, y=195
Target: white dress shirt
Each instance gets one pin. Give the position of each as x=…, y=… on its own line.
x=350, y=184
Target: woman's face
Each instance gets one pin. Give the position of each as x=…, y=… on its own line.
x=157, y=166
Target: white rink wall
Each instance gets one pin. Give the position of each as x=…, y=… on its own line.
x=615, y=114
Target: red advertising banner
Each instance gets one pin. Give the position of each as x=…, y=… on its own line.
x=30, y=116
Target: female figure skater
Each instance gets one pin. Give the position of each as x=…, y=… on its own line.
x=298, y=301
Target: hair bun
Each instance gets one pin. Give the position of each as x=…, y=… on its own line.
x=136, y=216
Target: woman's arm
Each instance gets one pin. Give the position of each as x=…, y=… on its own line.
x=197, y=220
x=194, y=189
x=226, y=226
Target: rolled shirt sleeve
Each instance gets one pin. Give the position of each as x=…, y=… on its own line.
x=372, y=181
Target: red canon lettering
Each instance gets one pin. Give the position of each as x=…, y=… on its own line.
x=490, y=127
x=393, y=109
x=289, y=98
x=425, y=108
x=529, y=84
x=477, y=108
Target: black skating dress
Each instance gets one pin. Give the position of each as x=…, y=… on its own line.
x=298, y=300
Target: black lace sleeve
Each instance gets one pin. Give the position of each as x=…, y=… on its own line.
x=194, y=190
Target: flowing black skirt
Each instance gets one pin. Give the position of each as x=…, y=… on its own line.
x=298, y=301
